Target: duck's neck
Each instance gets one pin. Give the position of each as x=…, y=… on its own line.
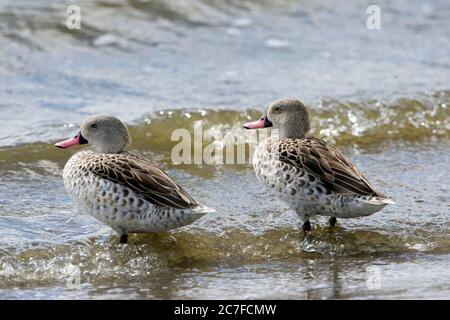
x=293, y=132
x=106, y=149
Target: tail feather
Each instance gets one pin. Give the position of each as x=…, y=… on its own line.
x=203, y=209
x=380, y=201
x=366, y=206
x=388, y=201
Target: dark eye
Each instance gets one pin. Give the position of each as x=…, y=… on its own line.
x=276, y=109
x=94, y=125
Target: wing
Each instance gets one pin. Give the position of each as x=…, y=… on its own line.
x=321, y=158
x=144, y=178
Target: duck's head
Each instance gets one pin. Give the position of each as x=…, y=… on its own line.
x=106, y=134
x=288, y=115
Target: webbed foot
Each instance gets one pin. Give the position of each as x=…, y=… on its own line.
x=333, y=221
x=124, y=238
x=306, y=226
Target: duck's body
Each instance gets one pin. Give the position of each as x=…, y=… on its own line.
x=109, y=187
x=126, y=191
x=310, y=175
x=291, y=169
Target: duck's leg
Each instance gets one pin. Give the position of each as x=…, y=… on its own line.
x=306, y=226
x=123, y=238
x=333, y=221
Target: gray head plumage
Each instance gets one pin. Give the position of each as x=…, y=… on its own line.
x=290, y=116
x=106, y=134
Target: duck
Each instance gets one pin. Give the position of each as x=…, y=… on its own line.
x=307, y=173
x=124, y=190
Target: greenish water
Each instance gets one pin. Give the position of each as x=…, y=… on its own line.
x=383, y=97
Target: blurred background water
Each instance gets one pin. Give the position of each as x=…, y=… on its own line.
x=381, y=95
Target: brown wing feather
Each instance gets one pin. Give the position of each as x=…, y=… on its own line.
x=321, y=158
x=144, y=178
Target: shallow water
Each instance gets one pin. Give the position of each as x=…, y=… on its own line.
x=382, y=97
